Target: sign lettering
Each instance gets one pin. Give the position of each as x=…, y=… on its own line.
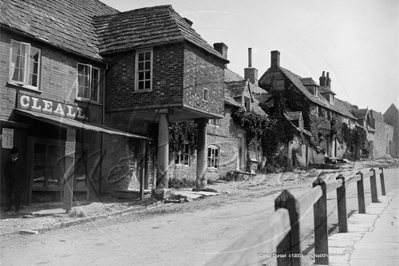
x=32, y=103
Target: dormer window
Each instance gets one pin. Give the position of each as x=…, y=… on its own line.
x=143, y=75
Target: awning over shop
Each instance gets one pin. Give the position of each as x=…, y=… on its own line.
x=67, y=123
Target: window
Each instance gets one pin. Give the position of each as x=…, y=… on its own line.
x=25, y=64
x=143, y=70
x=247, y=103
x=206, y=94
x=183, y=156
x=88, y=83
x=213, y=156
x=216, y=122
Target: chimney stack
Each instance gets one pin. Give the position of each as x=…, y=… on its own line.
x=249, y=57
x=221, y=48
x=275, y=59
x=322, y=80
x=328, y=80
x=251, y=73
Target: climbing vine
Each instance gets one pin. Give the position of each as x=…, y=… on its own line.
x=180, y=133
x=269, y=131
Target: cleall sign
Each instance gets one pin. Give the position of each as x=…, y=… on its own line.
x=32, y=103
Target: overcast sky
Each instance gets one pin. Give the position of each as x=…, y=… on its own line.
x=356, y=41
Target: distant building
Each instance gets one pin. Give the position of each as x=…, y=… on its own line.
x=323, y=103
x=391, y=117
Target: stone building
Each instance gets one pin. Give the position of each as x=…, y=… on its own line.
x=379, y=133
x=323, y=104
x=391, y=117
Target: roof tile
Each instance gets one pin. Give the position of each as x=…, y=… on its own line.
x=66, y=24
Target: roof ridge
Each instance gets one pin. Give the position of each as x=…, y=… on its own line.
x=133, y=10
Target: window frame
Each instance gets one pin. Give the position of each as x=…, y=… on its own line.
x=205, y=95
x=137, y=72
x=215, y=122
x=213, y=156
x=27, y=72
x=247, y=103
x=90, y=83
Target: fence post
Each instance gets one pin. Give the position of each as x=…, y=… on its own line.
x=382, y=179
x=341, y=202
x=360, y=194
x=289, y=247
x=320, y=225
x=373, y=187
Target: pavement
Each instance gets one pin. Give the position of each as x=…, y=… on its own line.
x=372, y=238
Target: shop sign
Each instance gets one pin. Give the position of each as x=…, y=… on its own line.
x=32, y=103
x=7, y=138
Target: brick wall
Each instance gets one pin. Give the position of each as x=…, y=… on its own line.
x=58, y=82
x=203, y=71
x=180, y=73
x=58, y=78
x=167, y=86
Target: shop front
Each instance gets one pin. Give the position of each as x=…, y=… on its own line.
x=62, y=151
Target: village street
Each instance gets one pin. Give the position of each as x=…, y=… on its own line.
x=179, y=234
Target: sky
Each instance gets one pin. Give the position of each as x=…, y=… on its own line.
x=356, y=41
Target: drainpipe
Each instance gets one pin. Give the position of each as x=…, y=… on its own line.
x=102, y=122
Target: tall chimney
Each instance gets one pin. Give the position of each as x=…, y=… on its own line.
x=249, y=57
x=328, y=80
x=322, y=80
x=221, y=48
x=251, y=73
x=275, y=59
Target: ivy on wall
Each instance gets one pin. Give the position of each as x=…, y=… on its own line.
x=180, y=133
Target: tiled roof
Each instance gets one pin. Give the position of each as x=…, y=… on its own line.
x=326, y=90
x=146, y=26
x=339, y=106
x=230, y=100
x=360, y=113
x=308, y=81
x=237, y=88
x=230, y=76
x=66, y=24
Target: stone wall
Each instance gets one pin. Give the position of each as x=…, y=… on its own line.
x=227, y=138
